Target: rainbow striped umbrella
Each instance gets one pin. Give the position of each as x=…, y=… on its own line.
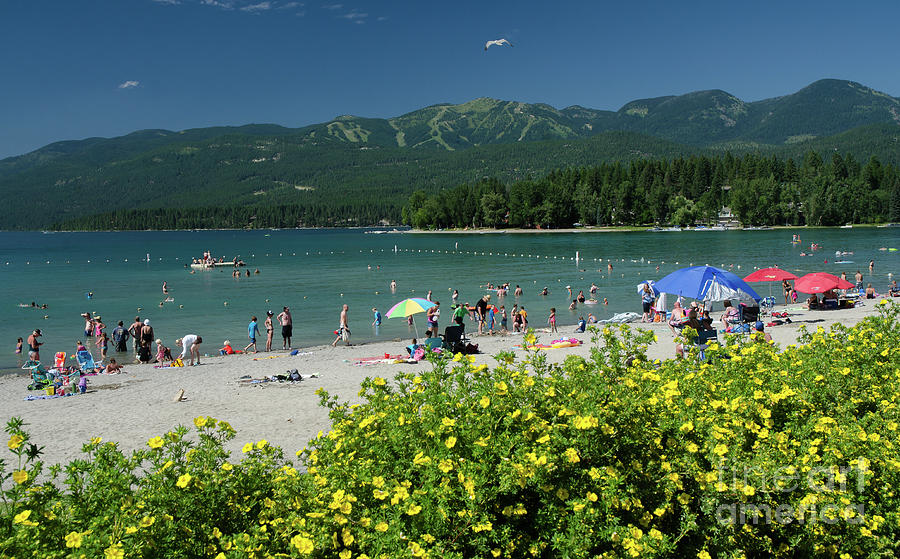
x=409, y=307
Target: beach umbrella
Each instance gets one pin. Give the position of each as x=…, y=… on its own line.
x=706, y=283
x=409, y=307
x=652, y=284
x=820, y=282
x=770, y=275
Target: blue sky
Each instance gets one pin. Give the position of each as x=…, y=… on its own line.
x=71, y=69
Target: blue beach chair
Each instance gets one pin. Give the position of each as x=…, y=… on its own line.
x=85, y=361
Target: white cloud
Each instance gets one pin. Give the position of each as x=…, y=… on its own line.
x=261, y=7
x=333, y=6
x=355, y=17
x=290, y=5
x=382, y=18
x=129, y=84
x=224, y=4
x=169, y=2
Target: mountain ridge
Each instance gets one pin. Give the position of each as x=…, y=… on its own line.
x=434, y=147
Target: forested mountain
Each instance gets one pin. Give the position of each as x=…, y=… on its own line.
x=356, y=171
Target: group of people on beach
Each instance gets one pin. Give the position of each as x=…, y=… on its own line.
x=287, y=331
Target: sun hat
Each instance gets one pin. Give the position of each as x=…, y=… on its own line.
x=146, y=322
x=269, y=313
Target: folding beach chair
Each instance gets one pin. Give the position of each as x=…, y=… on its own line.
x=704, y=339
x=749, y=316
x=60, y=361
x=85, y=361
x=432, y=344
x=39, y=376
x=455, y=338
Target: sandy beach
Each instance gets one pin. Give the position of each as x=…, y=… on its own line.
x=131, y=407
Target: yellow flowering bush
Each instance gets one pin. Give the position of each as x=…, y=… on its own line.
x=753, y=451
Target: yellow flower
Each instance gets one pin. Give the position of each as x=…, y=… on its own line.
x=720, y=449
x=247, y=448
x=572, y=455
x=382, y=526
x=450, y=442
x=691, y=447
x=96, y=440
x=22, y=518
x=147, y=521
x=303, y=545
x=420, y=459
x=413, y=510
x=347, y=536
x=200, y=421
x=345, y=554
x=20, y=476
x=15, y=442
x=155, y=442
x=183, y=480
x=227, y=466
x=131, y=530
x=687, y=427
x=114, y=552
x=500, y=388
x=262, y=443
x=379, y=381
x=485, y=401
x=447, y=422
x=704, y=555
x=73, y=539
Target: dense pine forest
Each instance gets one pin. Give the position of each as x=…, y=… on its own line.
x=759, y=190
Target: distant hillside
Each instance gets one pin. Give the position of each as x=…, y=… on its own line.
x=355, y=170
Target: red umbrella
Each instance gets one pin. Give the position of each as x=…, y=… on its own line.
x=820, y=282
x=770, y=274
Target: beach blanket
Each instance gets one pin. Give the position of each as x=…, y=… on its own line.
x=390, y=359
x=556, y=344
x=46, y=397
x=620, y=318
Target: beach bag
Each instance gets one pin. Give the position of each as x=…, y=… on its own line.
x=419, y=354
x=345, y=334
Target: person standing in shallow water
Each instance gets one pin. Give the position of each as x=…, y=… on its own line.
x=343, y=332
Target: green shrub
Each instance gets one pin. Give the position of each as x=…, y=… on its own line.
x=753, y=452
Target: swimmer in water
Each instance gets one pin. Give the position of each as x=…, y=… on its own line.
x=165, y=288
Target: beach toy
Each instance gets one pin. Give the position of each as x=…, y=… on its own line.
x=295, y=352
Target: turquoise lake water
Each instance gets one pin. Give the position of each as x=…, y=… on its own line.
x=314, y=272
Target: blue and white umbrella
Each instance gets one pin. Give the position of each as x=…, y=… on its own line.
x=706, y=283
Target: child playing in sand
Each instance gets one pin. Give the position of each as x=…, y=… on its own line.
x=162, y=352
x=552, y=320
x=227, y=349
x=112, y=369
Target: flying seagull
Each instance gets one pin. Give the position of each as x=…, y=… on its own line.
x=498, y=42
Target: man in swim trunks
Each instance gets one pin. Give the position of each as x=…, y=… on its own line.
x=135, y=331
x=343, y=332
x=287, y=327
x=481, y=311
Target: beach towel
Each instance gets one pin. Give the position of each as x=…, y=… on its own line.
x=621, y=318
